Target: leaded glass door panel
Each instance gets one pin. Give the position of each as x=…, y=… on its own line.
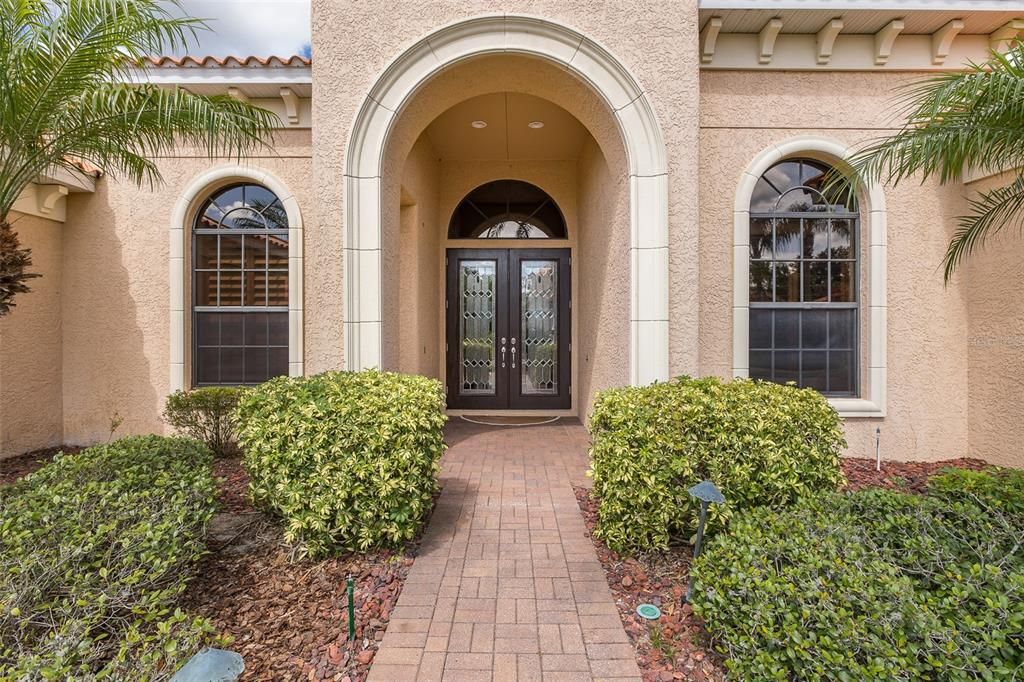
x=539, y=301
x=508, y=329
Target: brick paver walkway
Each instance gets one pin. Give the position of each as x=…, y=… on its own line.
x=507, y=585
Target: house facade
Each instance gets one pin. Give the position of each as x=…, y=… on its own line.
x=534, y=201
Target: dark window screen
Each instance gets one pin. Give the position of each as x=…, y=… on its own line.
x=240, y=288
x=804, y=269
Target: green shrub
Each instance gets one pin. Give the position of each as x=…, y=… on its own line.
x=797, y=596
x=868, y=585
x=348, y=459
x=95, y=550
x=760, y=443
x=1001, y=488
x=206, y=414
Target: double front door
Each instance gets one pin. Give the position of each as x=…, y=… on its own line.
x=508, y=329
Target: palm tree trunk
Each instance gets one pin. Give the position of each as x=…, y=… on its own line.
x=14, y=264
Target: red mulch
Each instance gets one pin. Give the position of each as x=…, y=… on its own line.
x=909, y=476
x=13, y=468
x=232, y=485
x=676, y=646
x=289, y=618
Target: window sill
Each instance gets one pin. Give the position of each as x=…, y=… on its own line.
x=856, y=408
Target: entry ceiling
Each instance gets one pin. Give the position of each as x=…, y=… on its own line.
x=508, y=135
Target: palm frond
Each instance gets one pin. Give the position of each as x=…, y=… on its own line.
x=955, y=122
x=73, y=83
x=991, y=212
x=969, y=119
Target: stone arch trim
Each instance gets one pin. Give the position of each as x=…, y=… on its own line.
x=180, y=233
x=641, y=135
x=872, y=403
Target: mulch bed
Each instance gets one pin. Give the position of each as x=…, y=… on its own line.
x=908, y=476
x=288, y=617
x=13, y=468
x=676, y=646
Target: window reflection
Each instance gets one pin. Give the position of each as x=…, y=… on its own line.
x=240, y=287
x=803, y=278
x=507, y=209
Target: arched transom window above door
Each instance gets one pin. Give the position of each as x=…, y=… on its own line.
x=804, y=269
x=507, y=209
x=240, y=284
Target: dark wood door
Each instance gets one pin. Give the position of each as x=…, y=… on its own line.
x=508, y=329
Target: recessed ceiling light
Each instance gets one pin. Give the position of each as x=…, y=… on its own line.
x=479, y=124
x=535, y=124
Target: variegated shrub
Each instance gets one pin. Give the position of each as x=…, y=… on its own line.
x=349, y=460
x=760, y=443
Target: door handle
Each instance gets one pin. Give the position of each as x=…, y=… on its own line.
x=503, y=357
x=513, y=352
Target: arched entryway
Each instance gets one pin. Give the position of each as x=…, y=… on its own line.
x=622, y=111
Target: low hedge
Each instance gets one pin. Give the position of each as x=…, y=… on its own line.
x=1001, y=488
x=870, y=585
x=760, y=443
x=206, y=414
x=348, y=459
x=95, y=549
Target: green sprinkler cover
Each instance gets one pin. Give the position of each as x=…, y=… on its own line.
x=648, y=611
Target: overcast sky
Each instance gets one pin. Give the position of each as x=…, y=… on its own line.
x=251, y=27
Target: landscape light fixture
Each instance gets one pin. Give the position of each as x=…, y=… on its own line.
x=211, y=664
x=351, y=589
x=707, y=492
x=878, y=448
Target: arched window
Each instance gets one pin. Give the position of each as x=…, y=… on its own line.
x=507, y=209
x=804, y=279
x=239, y=287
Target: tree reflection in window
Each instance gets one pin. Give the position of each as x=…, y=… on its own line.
x=803, y=278
x=240, y=287
x=507, y=209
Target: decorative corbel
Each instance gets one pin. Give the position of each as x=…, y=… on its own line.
x=827, y=40
x=708, y=38
x=942, y=40
x=766, y=40
x=1001, y=39
x=47, y=197
x=291, y=105
x=884, y=40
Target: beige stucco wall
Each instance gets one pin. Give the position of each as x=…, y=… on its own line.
x=420, y=318
x=602, y=271
x=115, y=298
x=349, y=58
x=30, y=346
x=742, y=113
x=995, y=343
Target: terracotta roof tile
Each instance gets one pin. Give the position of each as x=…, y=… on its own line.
x=229, y=61
x=85, y=166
